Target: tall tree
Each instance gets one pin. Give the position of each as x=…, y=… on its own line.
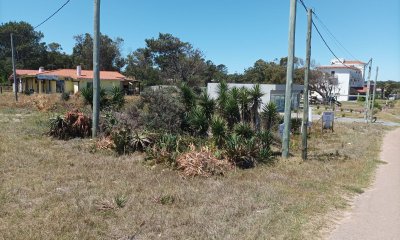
x=139, y=65
x=30, y=51
x=57, y=59
x=110, y=52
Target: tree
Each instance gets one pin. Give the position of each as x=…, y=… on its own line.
x=56, y=59
x=30, y=51
x=140, y=65
x=323, y=84
x=110, y=52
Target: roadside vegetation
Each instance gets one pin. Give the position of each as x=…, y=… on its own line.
x=139, y=182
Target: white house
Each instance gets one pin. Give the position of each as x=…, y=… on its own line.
x=348, y=78
x=272, y=92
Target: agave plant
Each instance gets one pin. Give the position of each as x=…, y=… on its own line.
x=219, y=130
x=208, y=104
x=255, y=96
x=87, y=94
x=140, y=141
x=270, y=113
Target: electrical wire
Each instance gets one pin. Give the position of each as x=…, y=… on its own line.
x=52, y=14
x=323, y=39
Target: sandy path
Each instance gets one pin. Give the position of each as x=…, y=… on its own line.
x=376, y=213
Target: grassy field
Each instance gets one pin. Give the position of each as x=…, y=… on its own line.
x=52, y=189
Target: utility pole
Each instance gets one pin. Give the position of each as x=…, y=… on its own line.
x=289, y=79
x=96, y=68
x=14, y=72
x=373, y=96
x=305, y=94
x=366, y=114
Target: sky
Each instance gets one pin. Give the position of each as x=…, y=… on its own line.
x=232, y=32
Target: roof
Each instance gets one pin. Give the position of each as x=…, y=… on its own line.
x=85, y=74
x=71, y=73
x=339, y=67
x=354, y=62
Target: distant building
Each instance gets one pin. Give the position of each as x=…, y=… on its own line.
x=70, y=80
x=347, y=78
x=272, y=93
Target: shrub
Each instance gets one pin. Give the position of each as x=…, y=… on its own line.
x=72, y=125
x=126, y=141
x=219, y=130
x=240, y=151
x=165, y=149
x=360, y=99
x=295, y=125
x=207, y=104
x=64, y=96
x=188, y=96
x=163, y=110
x=87, y=94
x=198, y=121
x=270, y=114
x=117, y=100
x=243, y=130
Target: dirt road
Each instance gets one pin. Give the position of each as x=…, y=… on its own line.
x=376, y=213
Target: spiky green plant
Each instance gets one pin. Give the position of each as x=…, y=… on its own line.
x=255, y=95
x=243, y=130
x=117, y=97
x=244, y=103
x=270, y=114
x=87, y=94
x=222, y=91
x=188, y=96
x=198, y=121
x=207, y=103
x=231, y=112
x=219, y=130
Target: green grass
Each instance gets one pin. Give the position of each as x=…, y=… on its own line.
x=52, y=189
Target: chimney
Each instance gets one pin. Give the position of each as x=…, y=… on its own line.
x=41, y=69
x=78, y=70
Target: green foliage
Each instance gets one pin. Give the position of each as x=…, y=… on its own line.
x=163, y=110
x=127, y=141
x=255, y=96
x=87, y=94
x=270, y=114
x=117, y=100
x=219, y=130
x=360, y=99
x=241, y=151
x=72, y=125
x=188, y=96
x=244, y=101
x=198, y=121
x=295, y=125
x=120, y=201
x=64, y=96
x=243, y=130
x=207, y=104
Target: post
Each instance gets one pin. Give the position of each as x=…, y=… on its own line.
x=373, y=95
x=367, y=93
x=289, y=79
x=14, y=71
x=305, y=98
x=96, y=70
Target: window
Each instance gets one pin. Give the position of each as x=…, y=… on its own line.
x=332, y=73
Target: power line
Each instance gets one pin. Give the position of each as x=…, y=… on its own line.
x=52, y=14
x=323, y=39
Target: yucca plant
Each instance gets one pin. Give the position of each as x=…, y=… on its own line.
x=87, y=94
x=117, y=97
x=242, y=152
x=243, y=130
x=198, y=121
x=231, y=111
x=219, y=130
x=207, y=103
x=188, y=96
x=244, y=103
x=270, y=114
x=255, y=96
x=222, y=91
x=140, y=141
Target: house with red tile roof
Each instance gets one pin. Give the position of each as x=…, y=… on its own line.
x=71, y=80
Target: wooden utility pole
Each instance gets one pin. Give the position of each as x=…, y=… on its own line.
x=373, y=95
x=96, y=68
x=14, y=71
x=289, y=80
x=366, y=114
x=305, y=94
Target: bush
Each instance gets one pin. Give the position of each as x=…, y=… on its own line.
x=244, y=130
x=198, y=121
x=64, y=96
x=117, y=100
x=163, y=110
x=219, y=130
x=87, y=94
x=126, y=141
x=72, y=125
x=295, y=125
x=360, y=99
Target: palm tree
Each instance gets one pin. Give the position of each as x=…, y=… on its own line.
x=222, y=91
x=219, y=130
x=255, y=96
x=207, y=103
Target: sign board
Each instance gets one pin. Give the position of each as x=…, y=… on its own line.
x=281, y=129
x=47, y=77
x=328, y=120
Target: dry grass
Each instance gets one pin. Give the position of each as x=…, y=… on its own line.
x=53, y=189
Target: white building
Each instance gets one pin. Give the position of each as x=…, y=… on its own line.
x=348, y=78
x=272, y=92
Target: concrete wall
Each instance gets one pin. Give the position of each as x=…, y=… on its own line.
x=267, y=89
